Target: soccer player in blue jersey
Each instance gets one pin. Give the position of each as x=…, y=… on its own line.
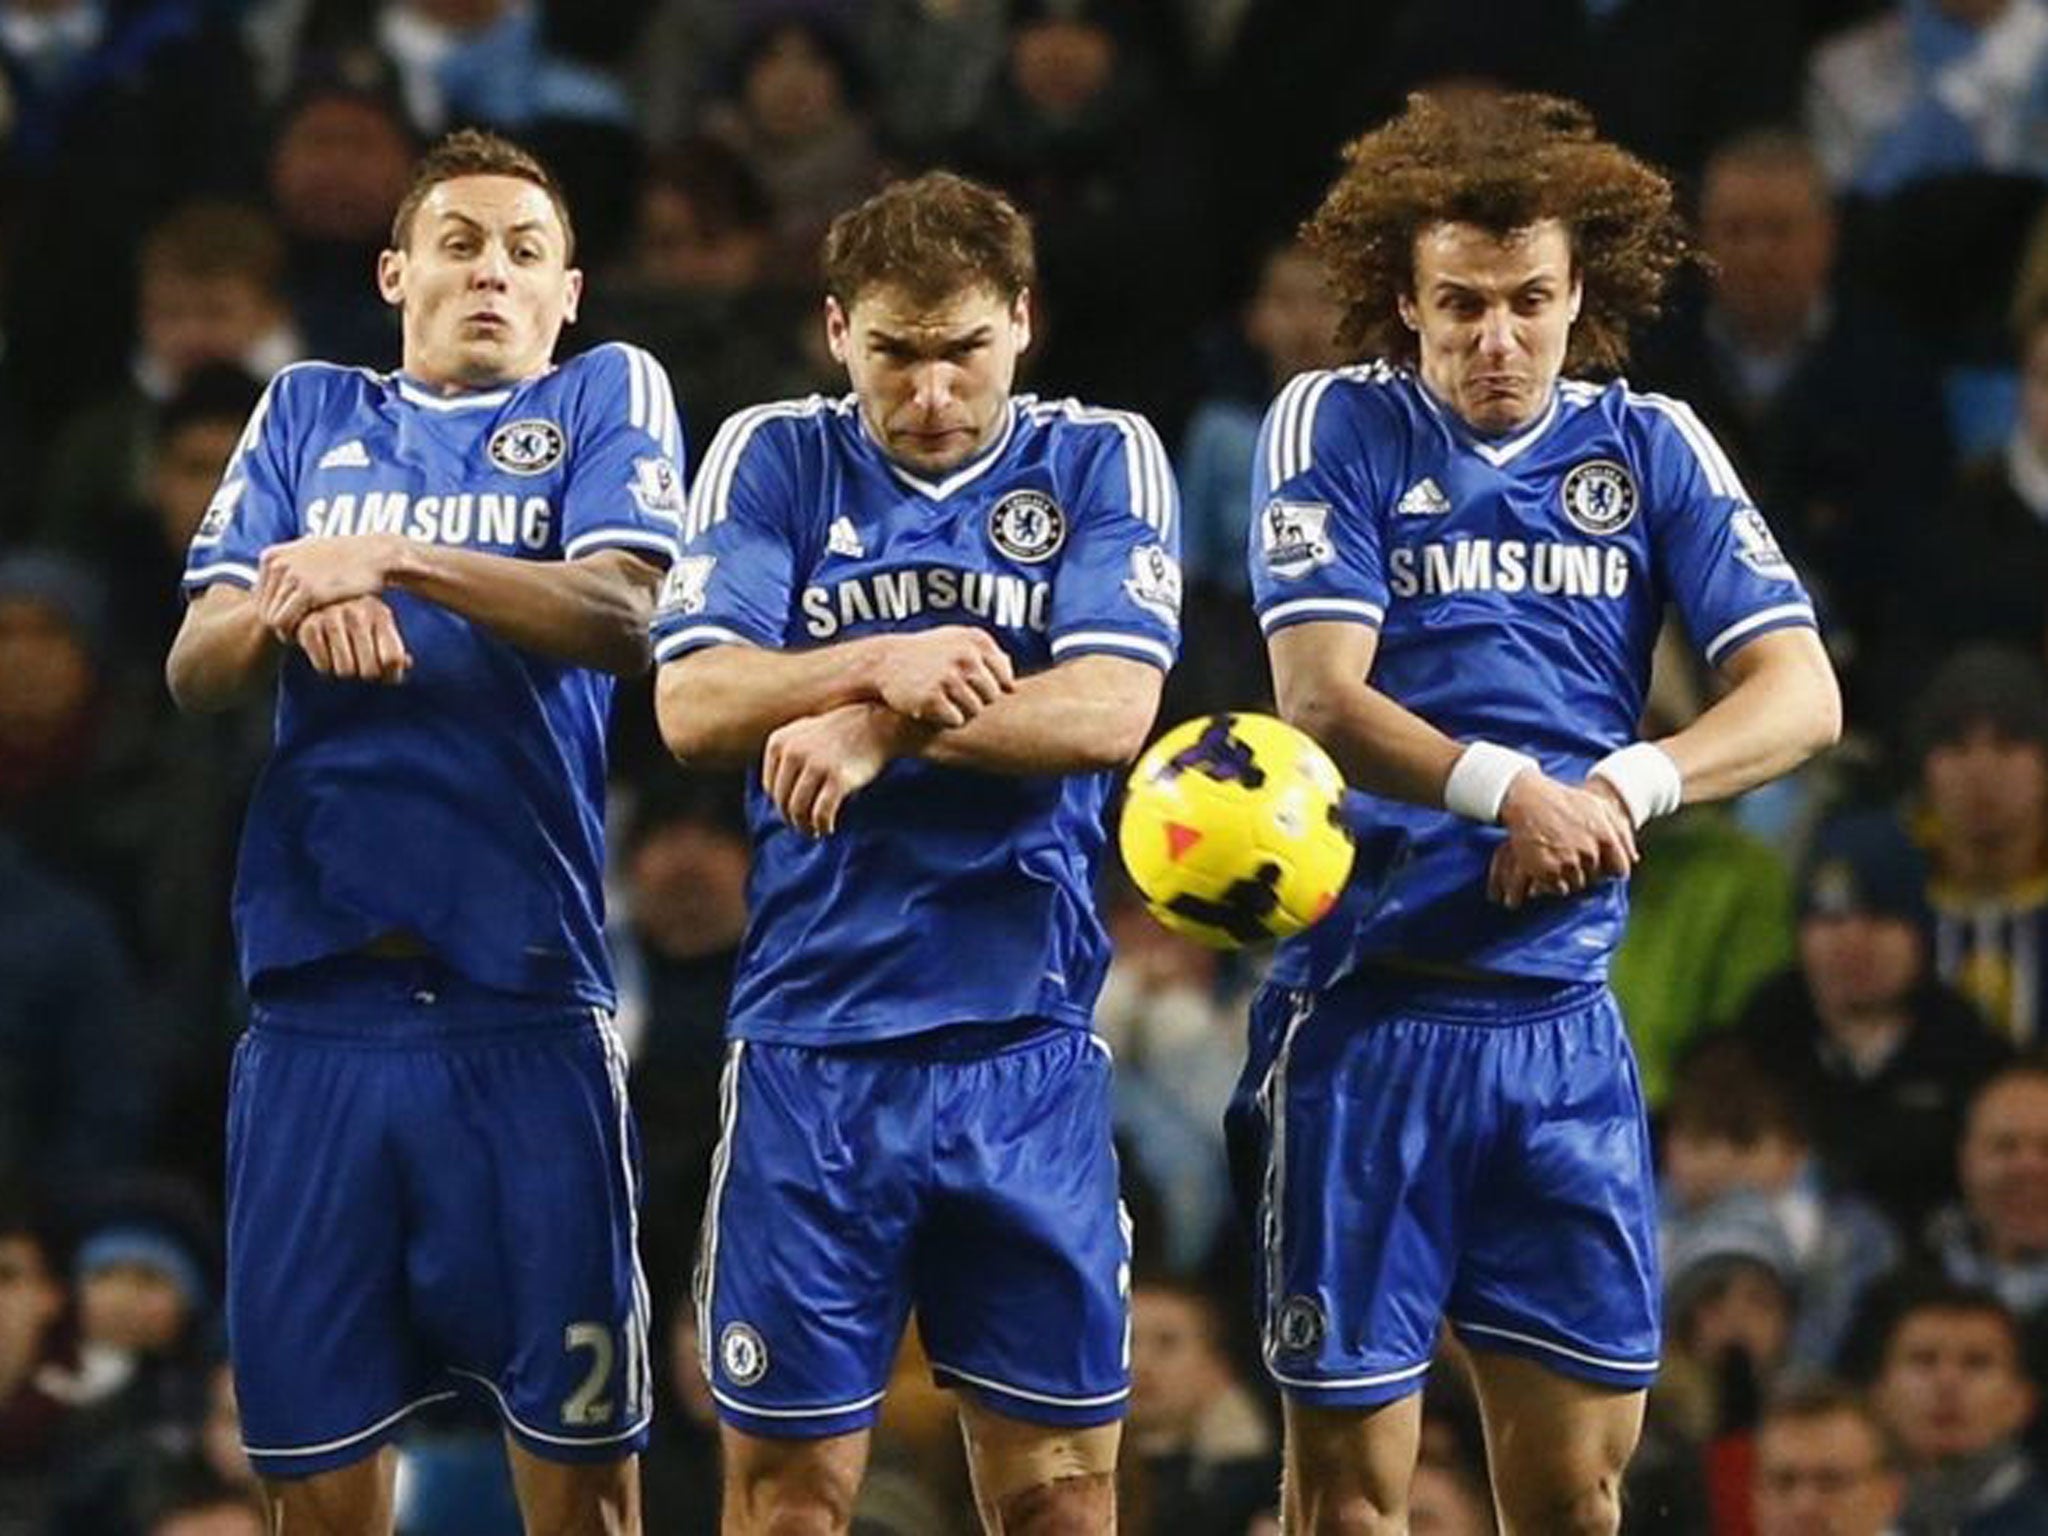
x=431, y=1168
x=935, y=616
x=1461, y=560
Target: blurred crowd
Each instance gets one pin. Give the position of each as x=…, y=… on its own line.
x=1838, y=987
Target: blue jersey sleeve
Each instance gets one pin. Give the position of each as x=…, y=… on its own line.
x=733, y=581
x=625, y=483
x=256, y=504
x=1315, y=541
x=1119, y=587
x=1718, y=557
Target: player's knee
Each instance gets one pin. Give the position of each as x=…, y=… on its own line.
x=1080, y=1505
x=1354, y=1515
x=795, y=1498
x=1589, y=1510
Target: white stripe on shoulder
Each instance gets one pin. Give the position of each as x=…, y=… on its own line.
x=1713, y=462
x=1290, y=443
x=710, y=498
x=1148, y=474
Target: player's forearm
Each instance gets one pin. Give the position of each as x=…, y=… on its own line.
x=591, y=612
x=718, y=706
x=1784, y=707
x=1090, y=713
x=1382, y=747
x=222, y=653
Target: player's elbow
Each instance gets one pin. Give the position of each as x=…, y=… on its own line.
x=1306, y=704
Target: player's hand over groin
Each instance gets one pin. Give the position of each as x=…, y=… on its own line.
x=1560, y=840
x=811, y=767
x=945, y=676
x=357, y=639
x=303, y=575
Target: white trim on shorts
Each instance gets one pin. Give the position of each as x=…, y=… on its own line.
x=706, y=1276
x=346, y=1441
x=639, y=1367
x=799, y=1413
x=1024, y=1394
x=1346, y=1383
x=1648, y=1367
x=1273, y=1190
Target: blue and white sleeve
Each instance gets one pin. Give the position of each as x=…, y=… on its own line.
x=1118, y=591
x=255, y=505
x=625, y=481
x=1314, y=547
x=1718, y=557
x=733, y=582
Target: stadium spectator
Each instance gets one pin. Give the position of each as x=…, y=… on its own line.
x=1730, y=1129
x=1981, y=731
x=1202, y=1458
x=211, y=291
x=1883, y=1055
x=1930, y=87
x=340, y=150
x=37, y=1363
x=1828, y=413
x=1951, y=1388
x=1077, y=127
x=1985, y=568
x=798, y=117
x=1824, y=1464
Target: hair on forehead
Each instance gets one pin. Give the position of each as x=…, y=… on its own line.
x=1503, y=163
x=931, y=238
x=473, y=152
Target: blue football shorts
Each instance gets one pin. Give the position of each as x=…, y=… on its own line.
x=1412, y=1154
x=966, y=1172
x=431, y=1189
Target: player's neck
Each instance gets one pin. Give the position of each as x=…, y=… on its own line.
x=447, y=386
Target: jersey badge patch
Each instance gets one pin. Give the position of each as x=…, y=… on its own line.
x=1293, y=538
x=219, y=512
x=1300, y=1327
x=531, y=447
x=1027, y=526
x=1757, y=547
x=1600, y=497
x=742, y=1354
x=1154, y=582
x=657, y=489
x=687, y=587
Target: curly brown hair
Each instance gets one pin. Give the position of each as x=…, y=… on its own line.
x=1502, y=162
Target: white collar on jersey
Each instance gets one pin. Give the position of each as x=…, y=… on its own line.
x=973, y=469
x=414, y=392
x=1495, y=450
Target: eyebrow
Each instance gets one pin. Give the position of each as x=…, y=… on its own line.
x=524, y=226
x=880, y=338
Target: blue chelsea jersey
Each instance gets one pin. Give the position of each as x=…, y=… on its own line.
x=947, y=895
x=1517, y=584
x=464, y=805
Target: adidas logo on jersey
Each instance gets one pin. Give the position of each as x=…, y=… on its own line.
x=840, y=539
x=349, y=455
x=1424, y=499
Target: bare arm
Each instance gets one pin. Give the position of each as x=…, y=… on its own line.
x=1564, y=837
x=589, y=612
x=1782, y=706
x=1088, y=713
x=223, y=651
x=718, y=706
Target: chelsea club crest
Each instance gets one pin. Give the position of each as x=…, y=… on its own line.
x=1600, y=497
x=527, y=447
x=1027, y=526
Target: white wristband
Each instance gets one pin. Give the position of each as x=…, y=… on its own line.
x=1643, y=774
x=1480, y=778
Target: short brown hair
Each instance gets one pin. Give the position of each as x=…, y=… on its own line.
x=214, y=240
x=1502, y=162
x=473, y=152
x=1800, y=1399
x=932, y=237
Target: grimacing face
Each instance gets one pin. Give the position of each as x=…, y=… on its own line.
x=483, y=285
x=933, y=380
x=1492, y=316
